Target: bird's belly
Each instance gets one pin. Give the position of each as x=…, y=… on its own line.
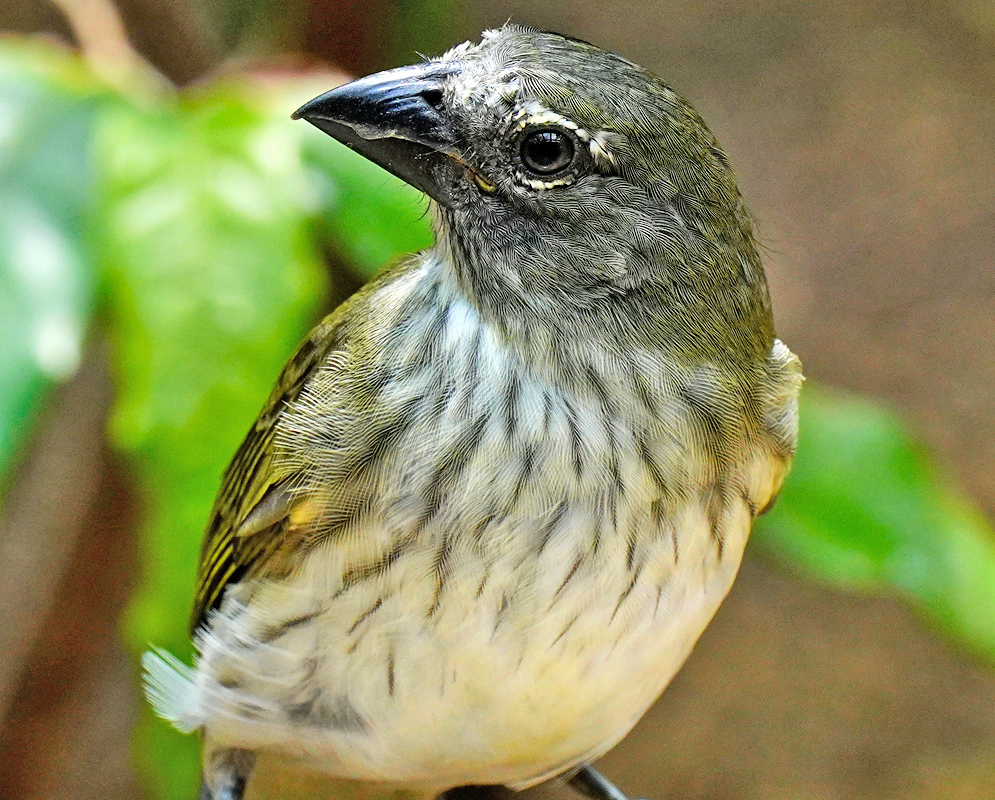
x=487, y=671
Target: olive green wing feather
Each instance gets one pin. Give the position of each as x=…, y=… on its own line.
x=255, y=506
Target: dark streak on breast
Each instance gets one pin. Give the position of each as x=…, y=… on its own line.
x=643, y=391
x=470, y=377
x=656, y=474
x=441, y=565
x=480, y=527
x=613, y=513
x=565, y=629
x=359, y=620
x=528, y=465
x=599, y=389
x=432, y=334
x=616, y=471
x=658, y=517
x=500, y=613
x=370, y=569
x=566, y=580
x=443, y=389
x=449, y=469
x=512, y=392
x=383, y=437
x=575, y=442
x=630, y=549
x=547, y=530
x=624, y=596
x=273, y=632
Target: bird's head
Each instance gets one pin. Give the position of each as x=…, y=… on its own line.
x=572, y=185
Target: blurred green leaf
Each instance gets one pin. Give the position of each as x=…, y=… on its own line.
x=213, y=279
x=865, y=509
x=372, y=216
x=47, y=281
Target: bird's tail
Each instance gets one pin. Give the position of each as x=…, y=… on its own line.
x=172, y=691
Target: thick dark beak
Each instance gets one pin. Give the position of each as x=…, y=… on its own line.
x=397, y=120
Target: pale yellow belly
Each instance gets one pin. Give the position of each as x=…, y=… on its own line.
x=543, y=665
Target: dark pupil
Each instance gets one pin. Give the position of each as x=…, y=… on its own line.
x=547, y=151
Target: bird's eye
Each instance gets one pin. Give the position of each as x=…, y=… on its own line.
x=547, y=151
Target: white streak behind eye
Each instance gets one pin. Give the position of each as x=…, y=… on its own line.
x=599, y=148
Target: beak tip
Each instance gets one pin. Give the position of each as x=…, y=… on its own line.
x=313, y=108
x=302, y=112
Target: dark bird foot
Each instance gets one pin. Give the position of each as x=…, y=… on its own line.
x=587, y=781
x=228, y=773
x=592, y=784
x=230, y=790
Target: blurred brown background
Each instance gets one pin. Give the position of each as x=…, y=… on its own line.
x=864, y=136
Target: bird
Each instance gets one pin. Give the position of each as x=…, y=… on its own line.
x=497, y=495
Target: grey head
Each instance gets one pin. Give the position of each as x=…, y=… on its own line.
x=574, y=190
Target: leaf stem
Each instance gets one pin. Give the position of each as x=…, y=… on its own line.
x=104, y=44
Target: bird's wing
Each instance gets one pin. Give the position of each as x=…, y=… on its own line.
x=255, y=507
